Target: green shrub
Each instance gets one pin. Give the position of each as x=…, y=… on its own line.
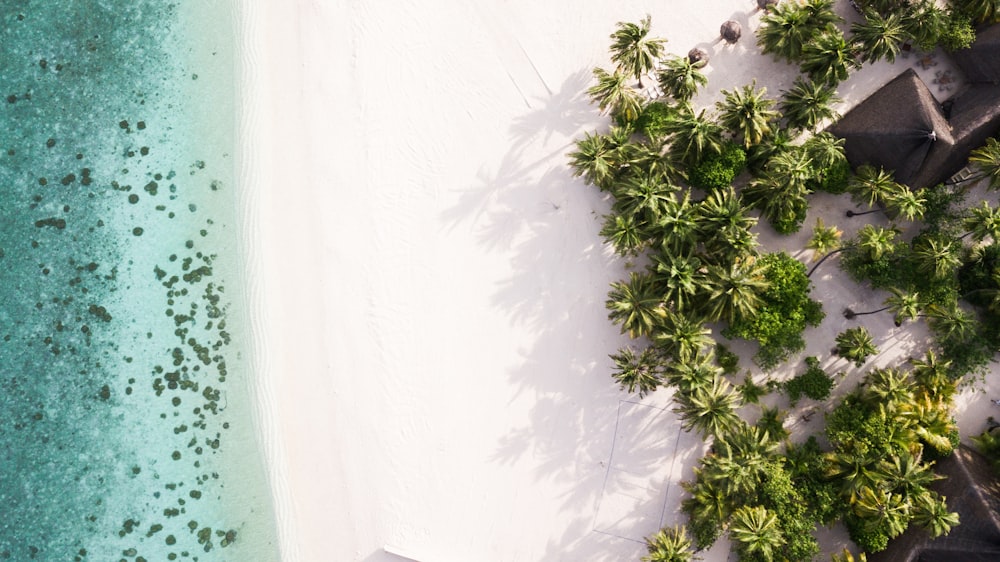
x=785, y=312
x=729, y=361
x=958, y=33
x=814, y=383
x=718, y=171
x=833, y=179
x=653, y=120
x=870, y=537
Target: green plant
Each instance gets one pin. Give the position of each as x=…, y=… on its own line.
x=669, y=545
x=747, y=114
x=718, y=170
x=680, y=78
x=785, y=311
x=613, y=95
x=856, y=344
x=751, y=392
x=958, y=33
x=814, y=383
x=729, y=361
x=640, y=372
x=654, y=118
x=808, y=103
x=633, y=50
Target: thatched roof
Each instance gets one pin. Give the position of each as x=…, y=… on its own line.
x=981, y=61
x=902, y=129
x=973, y=491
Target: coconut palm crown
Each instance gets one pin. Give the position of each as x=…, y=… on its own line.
x=633, y=50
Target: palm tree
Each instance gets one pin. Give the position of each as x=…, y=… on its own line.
x=772, y=421
x=879, y=36
x=681, y=335
x=854, y=469
x=825, y=150
x=695, y=371
x=785, y=30
x=950, y=322
x=983, y=222
x=746, y=112
x=678, y=224
x=612, y=94
x=931, y=513
x=846, y=556
x=681, y=275
x=693, y=136
x=680, y=78
x=645, y=195
x=633, y=50
x=625, y=234
x=907, y=203
x=906, y=475
x=808, y=103
x=903, y=305
x=596, y=160
x=829, y=58
x=780, y=190
x=981, y=11
x=889, y=387
x=883, y=508
x=872, y=185
x=824, y=239
x=634, y=372
x=924, y=24
x=724, y=227
x=756, y=531
x=735, y=291
x=876, y=241
x=821, y=14
x=709, y=410
x=856, y=344
x=931, y=373
x=937, y=256
x=669, y=545
x=708, y=506
x=636, y=305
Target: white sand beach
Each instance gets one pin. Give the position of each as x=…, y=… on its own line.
x=436, y=380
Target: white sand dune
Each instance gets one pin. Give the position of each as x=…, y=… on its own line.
x=435, y=340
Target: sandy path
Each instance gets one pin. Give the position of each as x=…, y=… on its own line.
x=436, y=341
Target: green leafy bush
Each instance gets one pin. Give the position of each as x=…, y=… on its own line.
x=814, y=383
x=729, y=361
x=784, y=314
x=653, y=120
x=833, y=179
x=958, y=33
x=717, y=171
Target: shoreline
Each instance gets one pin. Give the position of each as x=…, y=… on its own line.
x=252, y=172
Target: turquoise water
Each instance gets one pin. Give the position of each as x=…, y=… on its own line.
x=125, y=423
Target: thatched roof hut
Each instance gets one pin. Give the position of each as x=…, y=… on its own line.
x=900, y=128
x=973, y=491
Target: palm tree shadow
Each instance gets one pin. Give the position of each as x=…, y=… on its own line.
x=562, y=113
x=545, y=222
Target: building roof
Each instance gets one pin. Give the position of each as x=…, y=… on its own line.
x=900, y=128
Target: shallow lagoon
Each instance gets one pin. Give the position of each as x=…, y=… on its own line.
x=124, y=388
